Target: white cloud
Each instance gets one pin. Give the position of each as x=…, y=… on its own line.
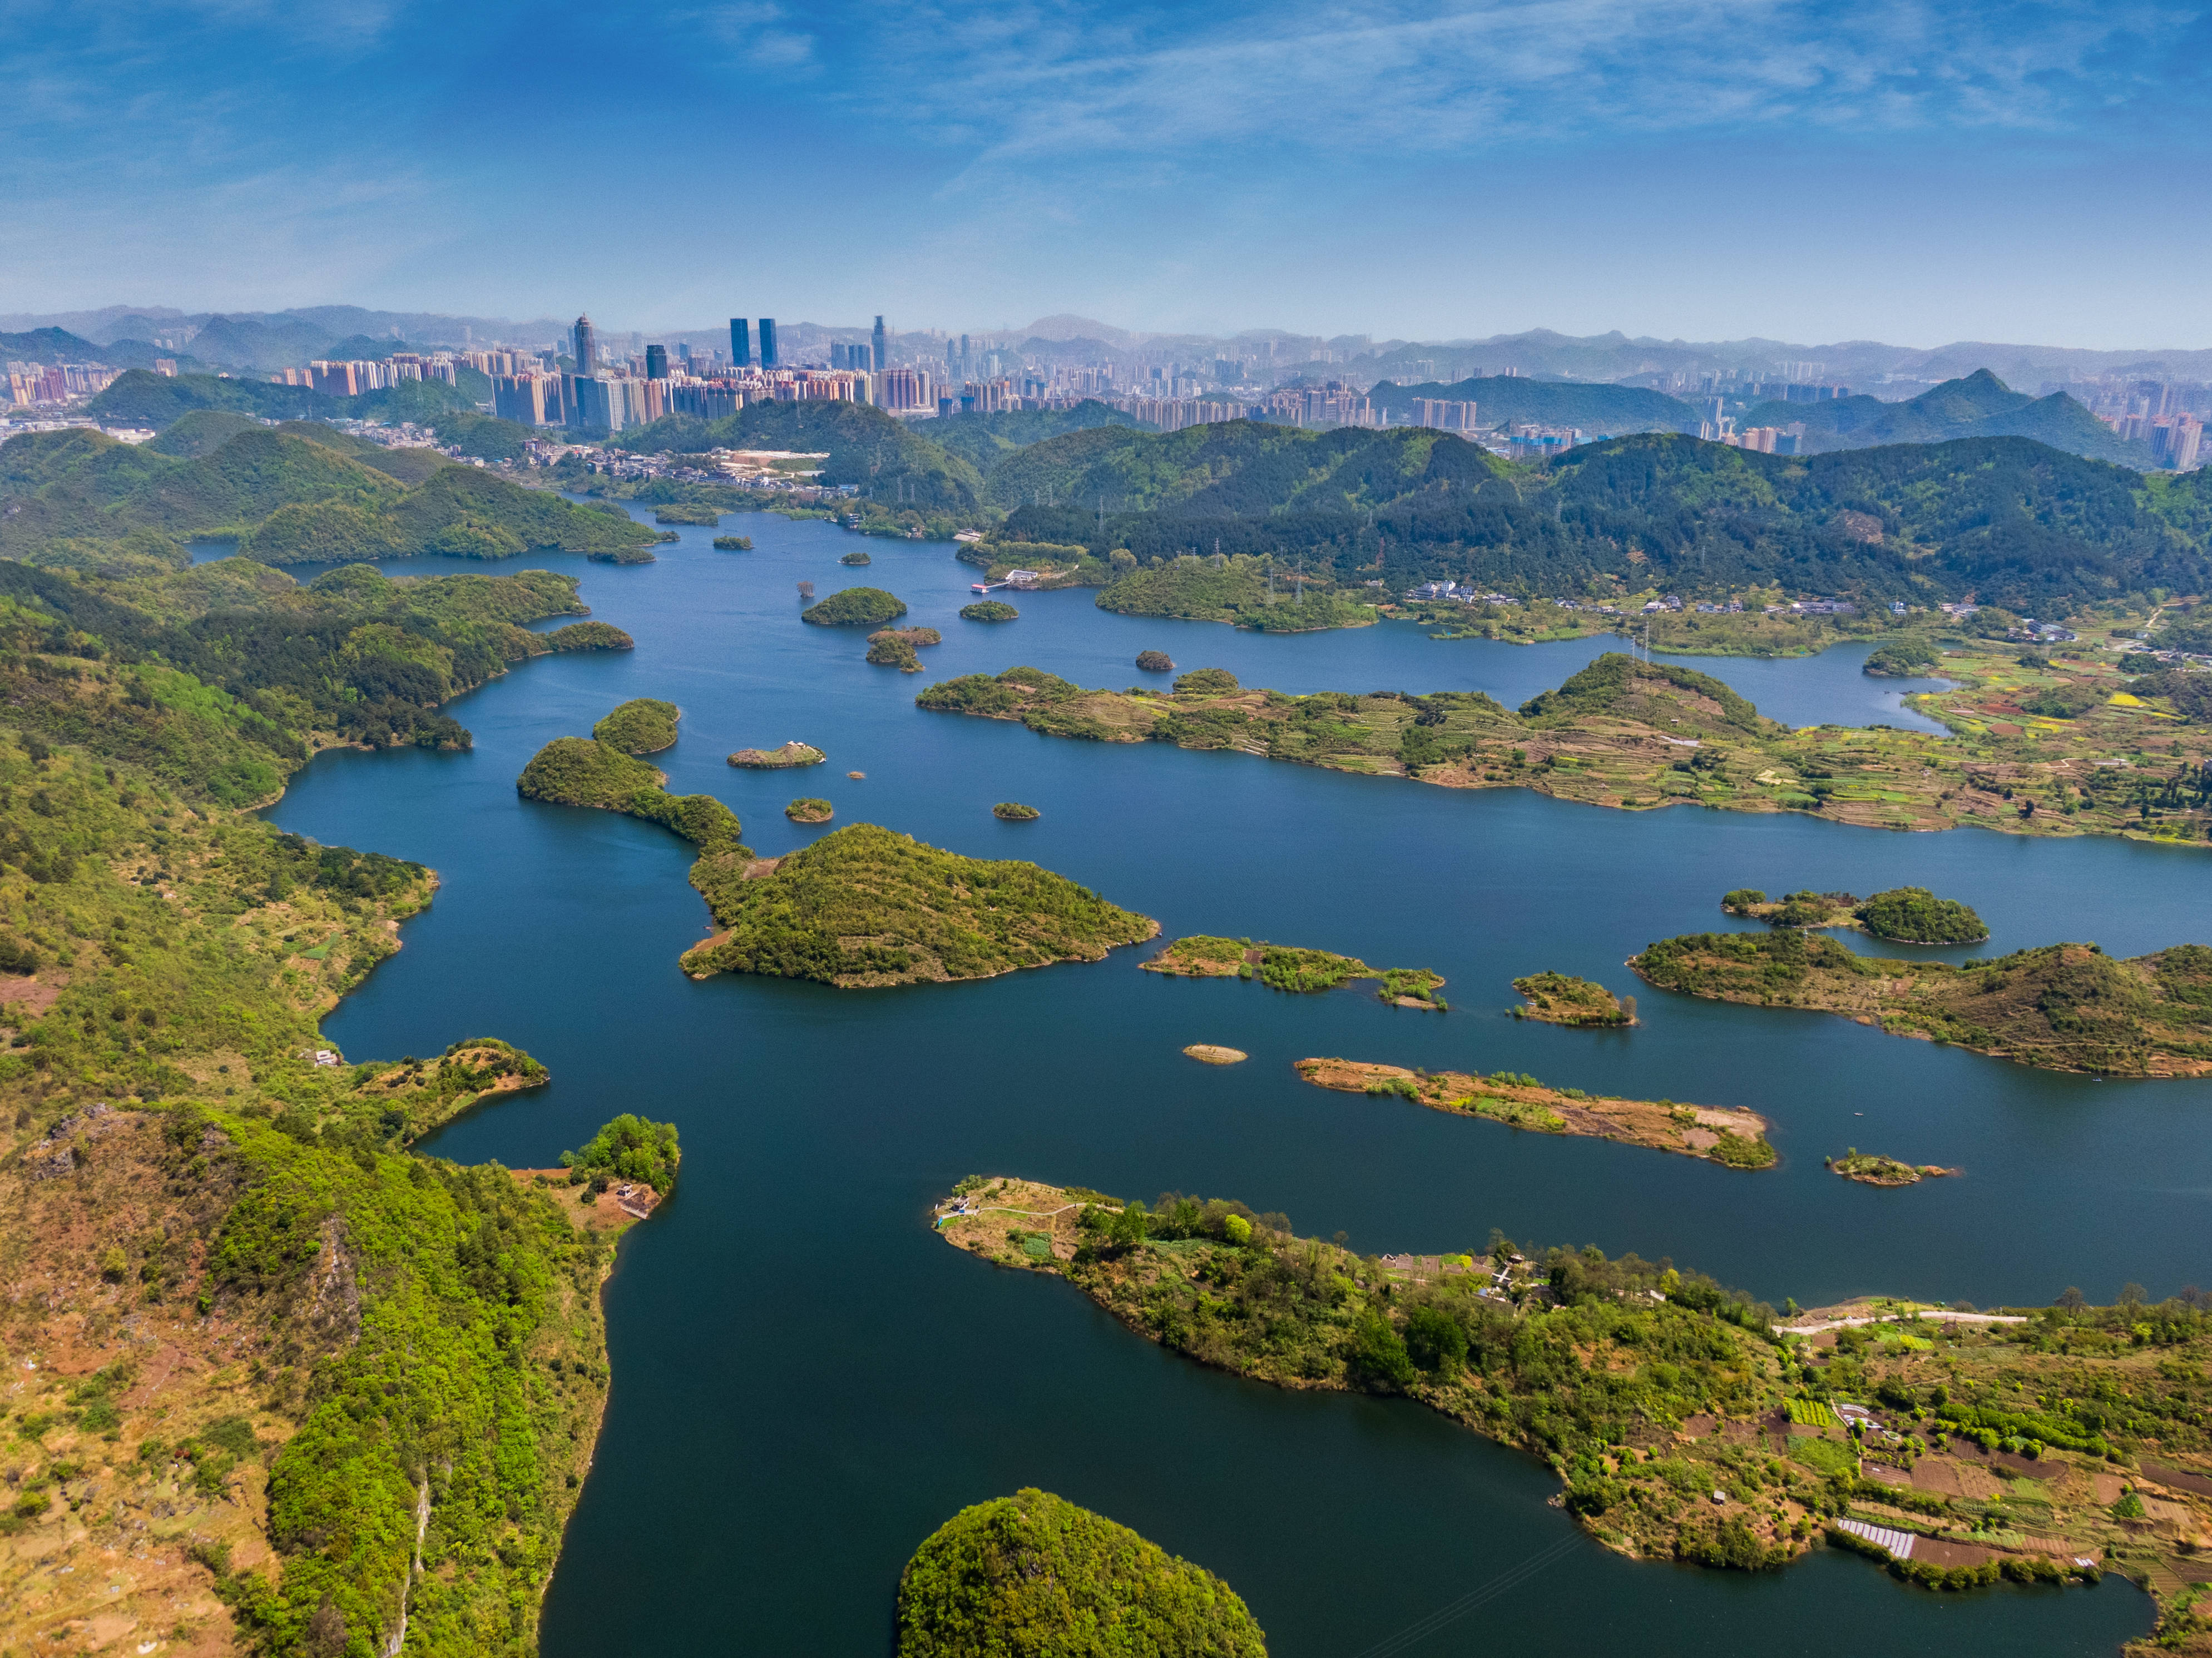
x=1038, y=80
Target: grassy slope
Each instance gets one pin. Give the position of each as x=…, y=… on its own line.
x=1645, y=1406
x=264, y=1322
x=1626, y=733
x=865, y=907
x=2063, y=1007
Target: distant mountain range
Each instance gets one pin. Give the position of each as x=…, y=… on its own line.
x=270, y=339
x=1979, y=405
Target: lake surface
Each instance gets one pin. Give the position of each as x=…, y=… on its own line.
x=807, y=1381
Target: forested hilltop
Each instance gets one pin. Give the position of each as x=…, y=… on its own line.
x=301, y=493
x=225, y=677
x=2009, y=520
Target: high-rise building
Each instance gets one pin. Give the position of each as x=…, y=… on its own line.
x=586, y=345
x=741, y=343
x=656, y=362
x=883, y=350
x=768, y=342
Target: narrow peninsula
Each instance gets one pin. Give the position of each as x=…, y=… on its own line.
x=1639, y=735
x=1902, y=916
x=1283, y=966
x=1686, y=1421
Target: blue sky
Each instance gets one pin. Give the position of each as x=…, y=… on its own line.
x=1891, y=169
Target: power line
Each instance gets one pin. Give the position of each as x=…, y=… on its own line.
x=1414, y=1633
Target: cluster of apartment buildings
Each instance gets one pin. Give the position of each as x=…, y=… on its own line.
x=33, y=383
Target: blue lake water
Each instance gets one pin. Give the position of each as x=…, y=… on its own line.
x=806, y=1381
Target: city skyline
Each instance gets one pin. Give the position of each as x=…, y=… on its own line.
x=2010, y=171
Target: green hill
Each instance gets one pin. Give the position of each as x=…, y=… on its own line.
x=865, y=907
x=1032, y=1575
x=1978, y=406
x=2015, y=522
x=983, y=440
x=1593, y=406
x=203, y=432
x=51, y=345
x=889, y=461
x=141, y=398
x=298, y=494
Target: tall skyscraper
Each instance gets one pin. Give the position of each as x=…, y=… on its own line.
x=656, y=362
x=883, y=351
x=741, y=343
x=587, y=348
x=768, y=342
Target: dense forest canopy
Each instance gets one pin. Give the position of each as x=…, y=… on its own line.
x=2006, y=519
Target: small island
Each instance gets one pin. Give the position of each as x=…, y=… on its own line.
x=894, y=647
x=687, y=511
x=1901, y=659
x=624, y=554
x=582, y=771
x=1719, y=1134
x=1013, y=811
x=1281, y=967
x=864, y=906
x=733, y=543
x=988, y=609
x=1154, y=662
x=853, y=607
x=2060, y=1007
x=791, y=754
x=1561, y=998
x=643, y=725
x=1902, y=916
x=589, y=636
x=1215, y=1053
x=1059, y=1579
x=810, y=809
x=856, y=559
x=1869, y=1170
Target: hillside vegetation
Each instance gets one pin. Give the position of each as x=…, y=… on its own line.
x=1686, y=1423
x=1512, y=398
x=262, y=1325
x=297, y=494
x=644, y=724
x=223, y=678
x=2061, y=1007
x=1034, y=1574
x=865, y=446
x=582, y=771
x=2011, y=520
x=864, y=907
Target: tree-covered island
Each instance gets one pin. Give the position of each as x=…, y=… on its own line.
x=1870, y=1169
x=1719, y=1134
x=1034, y=1574
x=1686, y=1422
x=793, y=753
x=864, y=906
x=1281, y=967
x=644, y=724
x=2060, y=1007
x=1562, y=999
x=855, y=607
